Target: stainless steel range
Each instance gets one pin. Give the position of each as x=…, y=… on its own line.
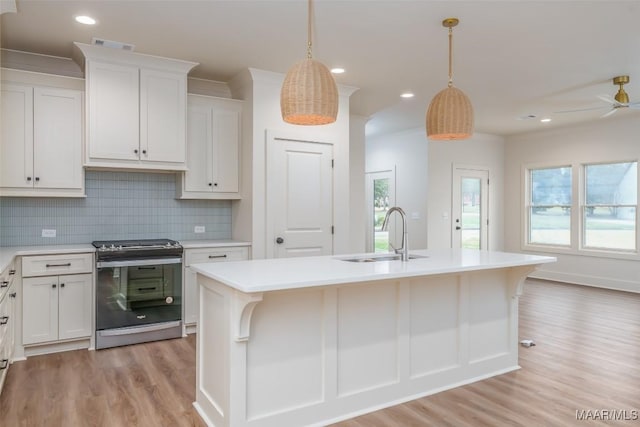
x=138, y=291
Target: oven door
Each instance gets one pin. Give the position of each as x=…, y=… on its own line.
x=140, y=292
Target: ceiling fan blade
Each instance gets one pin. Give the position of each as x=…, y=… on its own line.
x=607, y=99
x=581, y=109
x=609, y=113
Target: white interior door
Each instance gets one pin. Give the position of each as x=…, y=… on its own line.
x=470, y=200
x=299, y=198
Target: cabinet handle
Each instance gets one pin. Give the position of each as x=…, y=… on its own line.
x=54, y=285
x=147, y=289
x=68, y=264
x=12, y=272
x=146, y=268
x=217, y=256
x=12, y=295
x=62, y=285
x=5, y=363
x=28, y=178
x=4, y=284
x=37, y=178
x=4, y=320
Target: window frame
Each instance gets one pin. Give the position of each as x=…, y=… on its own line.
x=578, y=190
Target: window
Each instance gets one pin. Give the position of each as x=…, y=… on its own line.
x=549, y=206
x=609, y=211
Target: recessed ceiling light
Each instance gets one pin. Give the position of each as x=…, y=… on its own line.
x=87, y=20
x=407, y=95
x=337, y=70
x=545, y=120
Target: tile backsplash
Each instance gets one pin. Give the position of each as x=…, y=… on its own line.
x=119, y=205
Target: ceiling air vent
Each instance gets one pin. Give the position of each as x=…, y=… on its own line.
x=113, y=45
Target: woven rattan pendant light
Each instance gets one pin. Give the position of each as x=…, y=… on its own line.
x=450, y=114
x=309, y=95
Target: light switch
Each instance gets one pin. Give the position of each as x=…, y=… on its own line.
x=415, y=215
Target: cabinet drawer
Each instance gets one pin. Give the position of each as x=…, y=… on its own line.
x=7, y=277
x=194, y=256
x=56, y=264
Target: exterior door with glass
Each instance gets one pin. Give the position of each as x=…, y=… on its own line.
x=470, y=201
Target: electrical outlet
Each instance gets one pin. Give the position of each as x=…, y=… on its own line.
x=199, y=229
x=48, y=232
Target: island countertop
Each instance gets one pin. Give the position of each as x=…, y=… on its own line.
x=293, y=273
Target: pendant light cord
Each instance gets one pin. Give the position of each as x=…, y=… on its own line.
x=450, y=56
x=309, y=13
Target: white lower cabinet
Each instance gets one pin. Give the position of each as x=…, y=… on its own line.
x=56, y=307
x=7, y=320
x=204, y=255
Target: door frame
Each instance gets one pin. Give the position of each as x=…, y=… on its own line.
x=369, y=178
x=484, y=202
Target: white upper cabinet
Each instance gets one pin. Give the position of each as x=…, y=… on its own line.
x=41, y=147
x=136, y=109
x=213, y=149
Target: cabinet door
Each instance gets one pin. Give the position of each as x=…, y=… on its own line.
x=163, y=112
x=16, y=145
x=226, y=144
x=113, y=111
x=39, y=309
x=74, y=305
x=57, y=136
x=199, y=149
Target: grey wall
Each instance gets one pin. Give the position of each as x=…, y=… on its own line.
x=119, y=205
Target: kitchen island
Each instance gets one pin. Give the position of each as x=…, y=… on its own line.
x=310, y=341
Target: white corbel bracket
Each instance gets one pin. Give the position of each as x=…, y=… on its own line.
x=516, y=277
x=242, y=310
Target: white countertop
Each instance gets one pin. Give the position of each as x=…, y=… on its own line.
x=292, y=273
x=194, y=244
x=9, y=252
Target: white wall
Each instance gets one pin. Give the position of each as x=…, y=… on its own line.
x=357, y=201
x=611, y=139
x=408, y=153
x=261, y=92
x=480, y=150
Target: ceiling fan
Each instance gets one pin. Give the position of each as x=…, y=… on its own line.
x=621, y=99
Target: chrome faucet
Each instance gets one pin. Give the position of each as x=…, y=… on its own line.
x=404, y=249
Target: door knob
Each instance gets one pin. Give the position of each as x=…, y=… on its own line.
x=279, y=240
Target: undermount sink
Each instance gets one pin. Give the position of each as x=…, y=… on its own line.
x=381, y=257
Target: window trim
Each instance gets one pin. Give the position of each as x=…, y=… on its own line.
x=578, y=189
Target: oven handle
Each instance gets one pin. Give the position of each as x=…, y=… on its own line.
x=138, y=262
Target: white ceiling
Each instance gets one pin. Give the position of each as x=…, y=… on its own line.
x=512, y=58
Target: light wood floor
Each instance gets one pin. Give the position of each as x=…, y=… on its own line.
x=587, y=357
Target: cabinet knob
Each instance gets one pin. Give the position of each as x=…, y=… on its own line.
x=62, y=285
x=4, y=284
x=144, y=151
x=3, y=364
x=135, y=151
x=210, y=184
x=215, y=184
x=4, y=320
x=37, y=178
x=54, y=285
x=12, y=272
x=28, y=178
x=279, y=240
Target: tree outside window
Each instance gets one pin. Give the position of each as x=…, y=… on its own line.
x=609, y=211
x=550, y=201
